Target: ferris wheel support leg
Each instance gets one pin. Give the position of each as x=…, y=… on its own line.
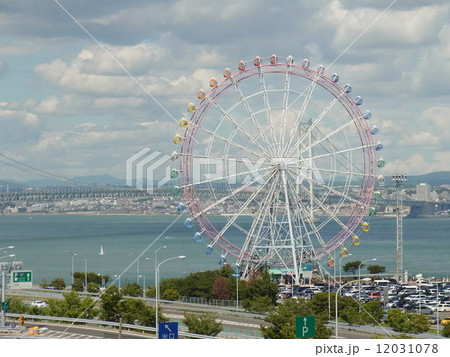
x=291, y=229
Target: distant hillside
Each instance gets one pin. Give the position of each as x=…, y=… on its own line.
x=433, y=179
x=101, y=180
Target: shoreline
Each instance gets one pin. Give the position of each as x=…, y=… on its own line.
x=102, y=213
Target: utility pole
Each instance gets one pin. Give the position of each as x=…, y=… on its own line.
x=399, y=179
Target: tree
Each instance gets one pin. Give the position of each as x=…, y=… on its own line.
x=283, y=320
x=221, y=288
x=91, y=277
x=204, y=324
x=150, y=292
x=18, y=306
x=259, y=305
x=72, y=306
x=262, y=285
x=171, y=294
x=376, y=269
x=446, y=330
x=132, y=289
x=352, y=267
x=372, y=312
x=109, y=310
x=59, y=283
x=401, y=321
x=135, y=311
x=93, y=288
x=78, y=285
x=44, y=283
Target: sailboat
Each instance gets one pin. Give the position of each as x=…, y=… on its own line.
x=101, y=251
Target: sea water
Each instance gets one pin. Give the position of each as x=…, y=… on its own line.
x=45, y=244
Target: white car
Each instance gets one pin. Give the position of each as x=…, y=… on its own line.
x=39, y=304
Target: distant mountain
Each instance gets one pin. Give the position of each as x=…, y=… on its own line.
x=433, y=179
x=101, y=180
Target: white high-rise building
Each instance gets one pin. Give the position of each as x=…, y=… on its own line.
x=423, y=192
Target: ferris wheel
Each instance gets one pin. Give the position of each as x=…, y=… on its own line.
x=277, y=167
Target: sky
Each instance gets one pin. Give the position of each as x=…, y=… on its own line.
x=84, y=85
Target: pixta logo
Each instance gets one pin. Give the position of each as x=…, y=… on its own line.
x=147, y=169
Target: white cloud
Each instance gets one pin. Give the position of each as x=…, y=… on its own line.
x=393, y=28
x=81, y=103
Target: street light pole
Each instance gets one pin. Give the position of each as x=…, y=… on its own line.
x=66, y=251
x=3, y=320
x=157, y=288
x=85, y=270
x=359, y=279
x=336, y=304
x=340, y=267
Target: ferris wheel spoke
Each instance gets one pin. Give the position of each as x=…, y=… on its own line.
x=225, y=198
x=332, y=216
x=325, y=138
x=236, y=125
x=290, y=222
x=334, y=171
x=255, y=173
x=239, y=213
x=340, y=152
x=303, y=212
x=228, y=141
x=267, y=106
x=249, y=246
x=330, y=189
x=287, y=82
x=251, y=114
x=318, y=119
x=301, y=113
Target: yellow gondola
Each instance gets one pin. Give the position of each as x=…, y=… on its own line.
x=365, y=227
x=183, y=122
x=191, y=107
x=177, y=139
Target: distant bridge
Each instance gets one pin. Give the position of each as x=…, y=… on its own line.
x=418, y=208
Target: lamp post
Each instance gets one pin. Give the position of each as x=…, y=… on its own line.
x=4, y=285
x=359, y=279
x=237, y=274
x=336, y=303
x=143, y=290
x=157, y=288
x=85, y=270
x=437, y=309
x=66, y=251
x=117, y=277
x=340, y=267
x=102, y=253
x=156, y=259
x=9, y=247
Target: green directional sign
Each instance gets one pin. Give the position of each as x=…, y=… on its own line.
x=304, y=326
x=22, y=277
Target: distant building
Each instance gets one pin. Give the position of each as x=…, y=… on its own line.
x=423, y=192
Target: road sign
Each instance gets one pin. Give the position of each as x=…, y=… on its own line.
x=5, y=305
x=304, y=326
x=168, y=330
x=21, y=279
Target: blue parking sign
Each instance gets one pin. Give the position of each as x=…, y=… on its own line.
x=168, y=330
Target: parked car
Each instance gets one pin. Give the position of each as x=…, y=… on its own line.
x=39, y=304
x=445, y=321
x=424, y=310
